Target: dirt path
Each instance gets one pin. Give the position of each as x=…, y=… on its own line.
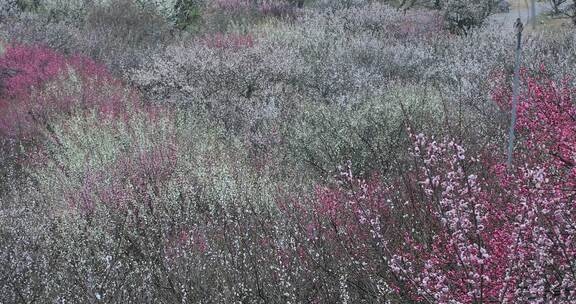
x=519, y=9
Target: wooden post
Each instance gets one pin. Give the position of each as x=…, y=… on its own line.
x=518, y=27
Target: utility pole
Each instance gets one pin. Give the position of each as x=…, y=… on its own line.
x=518, y=27
x=533, y=9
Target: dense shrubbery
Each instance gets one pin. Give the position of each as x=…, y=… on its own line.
x=119, y=33
x=41, y=85
x=282, y=160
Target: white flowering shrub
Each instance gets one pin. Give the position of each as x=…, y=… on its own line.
x=371, y=133
x=121, y=33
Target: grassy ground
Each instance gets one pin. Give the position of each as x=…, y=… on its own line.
x=544, y=21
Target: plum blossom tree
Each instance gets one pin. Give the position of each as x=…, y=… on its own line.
x=498, y=236
x=544, y=187
x=39, y=84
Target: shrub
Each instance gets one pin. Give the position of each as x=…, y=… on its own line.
x=32, y=29
x=544, y=178
x=370, y=133
x=220, y=40
x=460, y=249
x=223, y=15
x=122, y=33
x=187, y=12
x=162, y=186
x=9, y=8
x=276, y=8
x=462, y=16
x=72, y=11
x=311, y=62
x=42, y=85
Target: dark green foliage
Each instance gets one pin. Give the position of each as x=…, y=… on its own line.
x=463, y=15
x=28, y=5
x=187, y=13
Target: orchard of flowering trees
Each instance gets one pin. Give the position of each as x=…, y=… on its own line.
x=227, y=151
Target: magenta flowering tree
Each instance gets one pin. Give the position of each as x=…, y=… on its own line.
x=341, y=236
x=437, y=235
x=27, y=67
x=39, y=84
x=490, y=235
x=457, y=249
x=24, y=68
x=542, y=185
